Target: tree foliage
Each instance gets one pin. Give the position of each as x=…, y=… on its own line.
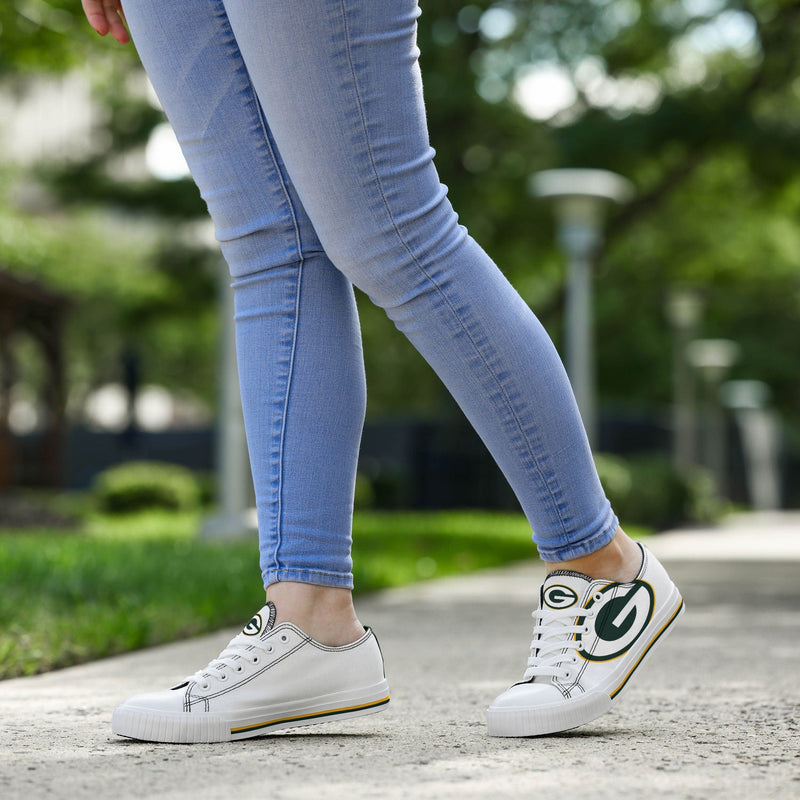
x=46, y=36
x=695, y=101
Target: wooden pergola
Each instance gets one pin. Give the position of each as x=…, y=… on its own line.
x=28, y=308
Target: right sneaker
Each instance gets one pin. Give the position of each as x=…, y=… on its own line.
x=589, y=640
x=268, y=678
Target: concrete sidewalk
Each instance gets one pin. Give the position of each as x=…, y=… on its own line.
x=715, y=714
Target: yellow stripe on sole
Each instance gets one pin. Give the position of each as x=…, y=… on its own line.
x=647, y=650
x=271, y=722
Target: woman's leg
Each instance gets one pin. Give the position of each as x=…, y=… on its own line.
x=298, y=340
x=340, y=86
x=303, y=394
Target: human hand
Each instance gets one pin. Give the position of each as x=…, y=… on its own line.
x=106, y=16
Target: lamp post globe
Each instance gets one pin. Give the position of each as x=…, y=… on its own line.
x=581, y=197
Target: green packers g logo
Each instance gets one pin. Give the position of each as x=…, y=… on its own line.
x=622, y=612
x=558, y=596
x=253, y=628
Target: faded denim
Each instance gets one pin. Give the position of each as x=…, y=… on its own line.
x=304, y=127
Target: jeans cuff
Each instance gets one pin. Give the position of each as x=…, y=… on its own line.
x=599, y=537
x=316, y=577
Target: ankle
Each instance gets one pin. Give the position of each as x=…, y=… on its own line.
x=325, y=613
x=619, y=560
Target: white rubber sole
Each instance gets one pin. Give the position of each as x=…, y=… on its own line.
x=198, y=726
x=572, y=713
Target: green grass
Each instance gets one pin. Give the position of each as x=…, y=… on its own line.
x=133, y=581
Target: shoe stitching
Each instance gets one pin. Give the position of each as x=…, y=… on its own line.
x=340, y=648
x=191, y=700
x=248, y=678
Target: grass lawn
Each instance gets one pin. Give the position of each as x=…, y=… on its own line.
x=125, y=582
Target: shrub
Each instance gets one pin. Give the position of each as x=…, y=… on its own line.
x=704, y=503
x=365, y=493
x=615, y=475
x=139, y=485
x=649, y=490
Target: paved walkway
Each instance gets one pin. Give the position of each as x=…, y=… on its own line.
x=714, y=715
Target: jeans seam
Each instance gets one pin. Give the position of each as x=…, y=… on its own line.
x=290, y=373
x=545, y=481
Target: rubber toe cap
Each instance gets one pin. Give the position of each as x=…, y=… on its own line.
x=170, y=700
x=527, y=695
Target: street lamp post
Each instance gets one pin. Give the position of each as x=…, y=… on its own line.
x=760, y=431
x=234, y=485
x=580, y=196
x=684, y=309
x=713, y=358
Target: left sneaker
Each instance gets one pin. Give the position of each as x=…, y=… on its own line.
x=589, y=638
x=268, y=678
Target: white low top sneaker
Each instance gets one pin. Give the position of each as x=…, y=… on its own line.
x=269, y=677
x=589, y=638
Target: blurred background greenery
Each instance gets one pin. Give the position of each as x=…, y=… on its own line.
x=697, y=102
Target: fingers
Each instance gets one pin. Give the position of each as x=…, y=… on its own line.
x=115, y=17
x=95, y=13
x=106, y=16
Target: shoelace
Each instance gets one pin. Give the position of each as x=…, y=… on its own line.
x=240, y=650
x=554, y=647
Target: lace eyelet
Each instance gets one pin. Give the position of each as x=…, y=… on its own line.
x=256, y=659
x=567, y=676
x=586, y=629
x=204, y=686
x=269, y=648
x=284, y=638
x=597, y=597
x=239, y=668
x=224, y=676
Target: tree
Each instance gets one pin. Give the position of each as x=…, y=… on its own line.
x=694, y=100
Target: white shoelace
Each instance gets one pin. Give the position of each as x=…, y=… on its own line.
x=554, y=649
x=240, y=650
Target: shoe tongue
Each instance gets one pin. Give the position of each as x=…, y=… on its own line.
x=261, y=623
x=564, y=588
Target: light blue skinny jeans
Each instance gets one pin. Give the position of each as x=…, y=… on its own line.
x=303, y=125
